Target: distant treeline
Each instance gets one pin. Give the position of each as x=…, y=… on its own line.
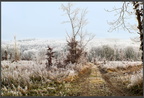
x=104, y=52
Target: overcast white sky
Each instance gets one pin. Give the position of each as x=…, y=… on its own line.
x=42, y=20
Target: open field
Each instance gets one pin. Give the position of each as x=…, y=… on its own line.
x=111, y=68
x=26, y=78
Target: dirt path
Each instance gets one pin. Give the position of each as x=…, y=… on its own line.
x=98, y=73
x=116, y=90
x=92, y=84
x=98, y=84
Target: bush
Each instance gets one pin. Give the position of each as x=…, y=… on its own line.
x=117, y=55
x=130, y=54
x=136, y=86
x=40, y=55
x=75, y=52
x=29, y=54
x=107, y=52
x=137, y=89
x=104, y=52
x=95, y=52
x=10, y=52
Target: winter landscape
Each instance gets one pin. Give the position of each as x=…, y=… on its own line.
x=81, y=64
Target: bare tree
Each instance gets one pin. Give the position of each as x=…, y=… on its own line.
x=76, y=40
x=138, y=6
x=121, y=20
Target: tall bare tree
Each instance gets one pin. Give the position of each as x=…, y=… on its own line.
x=138, y=7
x=76, y=40
x=121, y=20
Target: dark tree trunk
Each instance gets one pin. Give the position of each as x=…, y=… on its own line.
x=139, y=16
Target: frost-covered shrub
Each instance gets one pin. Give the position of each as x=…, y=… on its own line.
x=104, y=52
x=10, y=51
x=75, y=51
x=130, y=54
x=107, y=52
x=114, y=54
x=56, y=54
x=41, y=55
x=136, y=79
x=29, y=54
x=136, y=83
x=95, y=52
x=138, y=55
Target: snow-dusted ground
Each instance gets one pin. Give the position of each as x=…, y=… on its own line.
x=114, y=42
x=122, y=64
x=26, y=69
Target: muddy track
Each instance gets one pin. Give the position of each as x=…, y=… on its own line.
x=108, y=75
x=99, y=82
x=115, y=90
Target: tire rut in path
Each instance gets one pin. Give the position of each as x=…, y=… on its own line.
x=114, y=89
x=94, y=84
